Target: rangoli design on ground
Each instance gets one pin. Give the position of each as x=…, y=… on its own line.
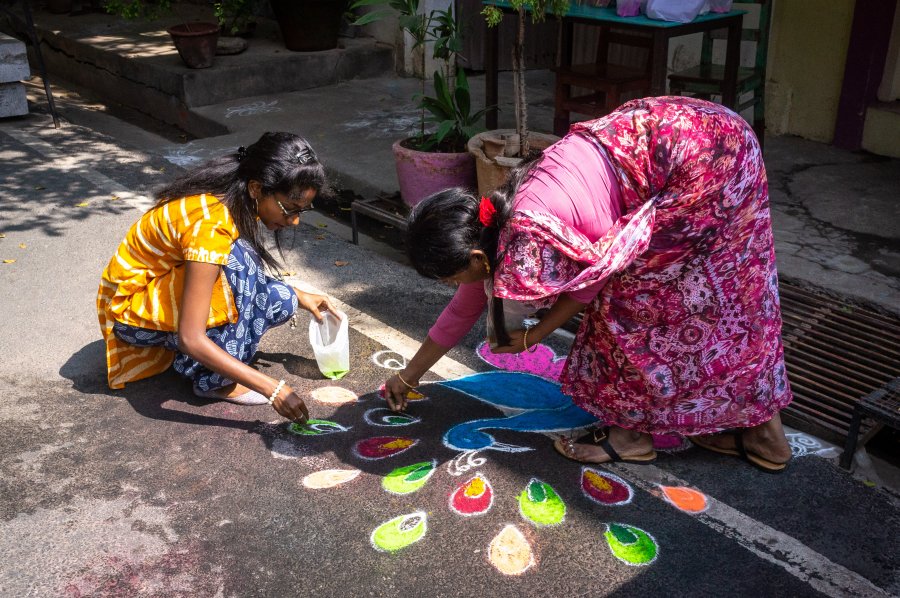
x=510, y=552
x=316, y=427
x=631, y=545
x=473, y=497
x=329, y=478
x=409, y=478
x=541, y=505
x=382, y=447
x=685, y=499
x=400, y=532
x=605, y=488
x=386, y=418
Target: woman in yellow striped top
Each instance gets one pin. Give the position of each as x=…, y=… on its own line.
x=188, y=285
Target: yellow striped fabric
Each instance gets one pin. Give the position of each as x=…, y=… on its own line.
x=143, y=282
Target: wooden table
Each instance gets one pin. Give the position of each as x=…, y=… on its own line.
x=660, y=31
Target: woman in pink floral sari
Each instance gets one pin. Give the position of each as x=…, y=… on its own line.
x=654, y=220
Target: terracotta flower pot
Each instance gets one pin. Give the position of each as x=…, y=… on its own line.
x=491, y=151
x=423, y=173
x=196, y=43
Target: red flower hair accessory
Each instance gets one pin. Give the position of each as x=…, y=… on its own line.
x=487, y=213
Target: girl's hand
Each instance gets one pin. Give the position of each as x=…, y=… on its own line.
x=289, y=405
x=395, y=391
x=314, y=304
x=517, y=342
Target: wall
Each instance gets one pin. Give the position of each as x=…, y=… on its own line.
x=807, y=51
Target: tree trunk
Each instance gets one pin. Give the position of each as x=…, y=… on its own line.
x=521, y=108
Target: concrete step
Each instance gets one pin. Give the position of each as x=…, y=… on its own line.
x=134, y=63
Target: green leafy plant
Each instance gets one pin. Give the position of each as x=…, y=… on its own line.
x=234, y=16
x=452, y=112
x=450, y=108
x=538, y=9
x=138, y=9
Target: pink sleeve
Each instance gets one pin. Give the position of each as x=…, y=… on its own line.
x=460, y=314
x=587, y=294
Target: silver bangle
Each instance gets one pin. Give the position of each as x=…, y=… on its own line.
x=276, y=391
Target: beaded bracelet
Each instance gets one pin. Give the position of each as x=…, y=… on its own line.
x=276, y=391
x=405, y=382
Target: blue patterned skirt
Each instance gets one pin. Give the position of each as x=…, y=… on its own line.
x=261, y=303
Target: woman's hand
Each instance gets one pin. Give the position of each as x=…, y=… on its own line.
x=314, y=303
x=517, y=340
x=289, y=405
x=395, y=391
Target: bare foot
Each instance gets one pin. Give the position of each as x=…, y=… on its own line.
x=625, y=442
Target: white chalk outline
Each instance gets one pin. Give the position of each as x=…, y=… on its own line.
x=367, y=416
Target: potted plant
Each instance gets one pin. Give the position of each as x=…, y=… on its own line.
x=195, y=41
x=309, y=25
x=235, y=17
x=434, y=159
x=496, y=152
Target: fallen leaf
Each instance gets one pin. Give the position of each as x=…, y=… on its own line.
x=869, y=483
x=320, y=237
x=340, y=263
x=9, y=261
x=115, y=198
x=161, y=169
x=39, y=188
x=83, y=204
x=22, y=245
x=345, y=209
x=322, y=225
x=288, y=273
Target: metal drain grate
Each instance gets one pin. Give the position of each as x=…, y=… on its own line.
x=835, y=354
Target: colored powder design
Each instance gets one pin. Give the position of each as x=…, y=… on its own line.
x=411, y=395
x=316, y=427
x=686, y=499
x=538, y=404
x=540, y=504
x=474, y=497
x=539, y=360
x=381, y=447
x=631, y=545
x=400, y=532
x=329, y=478
x=388, y=418
x=605, y=488
x=334, y=395
x=408, y=479
x=509, y=552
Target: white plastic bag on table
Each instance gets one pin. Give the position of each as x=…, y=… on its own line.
x=330, y=340
x=679, y=11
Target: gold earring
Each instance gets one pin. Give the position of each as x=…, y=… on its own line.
x=487, y=266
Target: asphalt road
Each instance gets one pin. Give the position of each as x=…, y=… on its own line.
x=149, y=491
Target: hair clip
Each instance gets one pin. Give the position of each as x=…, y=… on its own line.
x=241, y=153
x=306, y=155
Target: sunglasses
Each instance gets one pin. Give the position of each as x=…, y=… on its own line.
x=293, y=212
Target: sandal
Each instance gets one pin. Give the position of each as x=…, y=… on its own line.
x=739, y=451
x=600, y=437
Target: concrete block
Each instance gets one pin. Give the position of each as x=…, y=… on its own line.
x=12, y=100
x=13, y=60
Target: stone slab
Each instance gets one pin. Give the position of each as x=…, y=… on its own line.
x=13, y=60
x=13, y=101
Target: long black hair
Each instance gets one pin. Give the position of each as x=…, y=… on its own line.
x=444, y=228
x=281, y=162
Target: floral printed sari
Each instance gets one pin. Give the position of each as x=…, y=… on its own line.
x=686, y=335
